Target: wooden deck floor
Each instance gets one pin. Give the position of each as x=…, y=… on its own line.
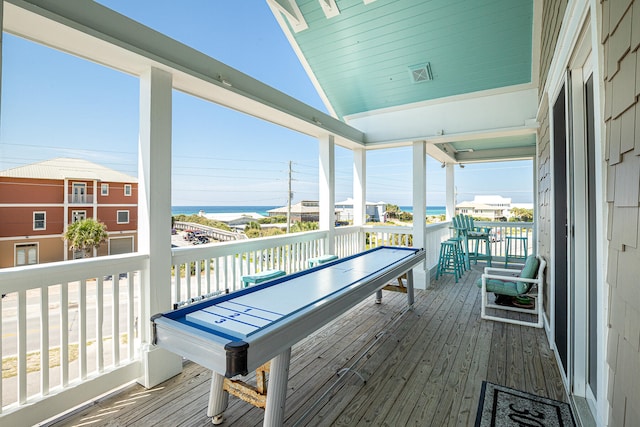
x=426, y=368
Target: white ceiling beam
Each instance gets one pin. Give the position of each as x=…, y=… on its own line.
x=93, y=32
x=479, y=112
x=330, y=8
x=290, y=9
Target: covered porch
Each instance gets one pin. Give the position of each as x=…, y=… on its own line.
x=424, y=367
x=109, y=300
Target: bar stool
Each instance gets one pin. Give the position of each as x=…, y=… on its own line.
x=518, y=255
x=475, y=255
x=463, y=259
x=450, y=261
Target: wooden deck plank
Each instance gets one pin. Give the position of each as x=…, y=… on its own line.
x=418, y=363
x=466, y=412
x=450, y=399
x=391, y=377
x=377, y=368
x=533, y=368
x=316, y=363
x=355, y=352
x=551, y=370
x=426, y=369
x=444, y=367
x=514, y=360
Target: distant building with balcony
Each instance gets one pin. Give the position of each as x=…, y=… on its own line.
x=375, y=211
x=308, y=210
x=304, y=211
x=492, y=207
x=38, y=202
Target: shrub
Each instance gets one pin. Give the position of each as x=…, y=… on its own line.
x=201, y=220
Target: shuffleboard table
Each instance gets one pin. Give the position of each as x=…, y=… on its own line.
x=236, y=333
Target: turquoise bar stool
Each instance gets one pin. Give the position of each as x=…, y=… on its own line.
x=451, y=261
x=512, y=252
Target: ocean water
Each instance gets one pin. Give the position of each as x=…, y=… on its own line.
x=262, y=210
x=188, y=210
x=431, y=210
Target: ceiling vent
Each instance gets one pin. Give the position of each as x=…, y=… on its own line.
x=420, y=73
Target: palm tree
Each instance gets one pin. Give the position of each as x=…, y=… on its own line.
x=85, y=234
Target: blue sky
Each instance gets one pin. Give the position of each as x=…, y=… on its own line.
x=56, y=105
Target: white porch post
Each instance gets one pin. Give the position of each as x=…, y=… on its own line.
x=327, y=181
x=450, y=191
x=420, y=273
x=359, y=186
x=536, y=222
x=154, y=219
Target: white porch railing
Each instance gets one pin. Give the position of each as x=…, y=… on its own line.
x=218, y=267
x=59, y=320
x=69, y=332
x=499, y=233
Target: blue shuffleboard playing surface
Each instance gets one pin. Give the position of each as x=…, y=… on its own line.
x=251, y=312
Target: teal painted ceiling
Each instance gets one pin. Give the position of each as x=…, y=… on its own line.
x=362, y=57
x=496, y=148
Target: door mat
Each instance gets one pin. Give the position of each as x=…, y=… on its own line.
x=501, y=406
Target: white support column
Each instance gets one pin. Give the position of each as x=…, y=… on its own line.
x=154, y=218
x=450, y=189
x=327, y=181
x=536, y=222
x=421, y=273
x=359, y=186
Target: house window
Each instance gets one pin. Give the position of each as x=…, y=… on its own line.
x=78, y=216
x=26, y=254
x=104, y=189
x=39, y=220
x=79, y=192
x=123, y=217
x=127, y=189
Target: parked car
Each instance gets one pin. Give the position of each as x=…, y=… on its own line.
x=200, y=239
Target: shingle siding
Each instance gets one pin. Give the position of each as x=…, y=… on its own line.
x=544, y=194
x=621, y=39
x=552, y=13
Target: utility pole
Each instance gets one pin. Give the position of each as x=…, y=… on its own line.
x=289, y=201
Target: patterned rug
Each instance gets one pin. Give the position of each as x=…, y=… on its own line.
x=501, y=406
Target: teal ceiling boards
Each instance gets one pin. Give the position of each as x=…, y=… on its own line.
x=367, y=56
x=497, y=148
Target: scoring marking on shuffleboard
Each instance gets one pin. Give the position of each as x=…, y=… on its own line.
x=235, y=322
x=254, y=311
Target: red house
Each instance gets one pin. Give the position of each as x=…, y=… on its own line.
x=38, y=201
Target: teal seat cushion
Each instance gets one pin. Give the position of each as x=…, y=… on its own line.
x=322, y=259
x=530, y=267
x=504, y=287
x=263, y=276
x=514, y=288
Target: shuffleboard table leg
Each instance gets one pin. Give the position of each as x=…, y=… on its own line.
x=378, y=296
x=218, y=399
x=410, y=297
x=277, y=394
